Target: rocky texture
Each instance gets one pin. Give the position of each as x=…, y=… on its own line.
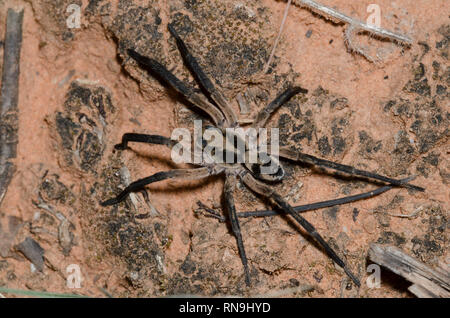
x=389, y=118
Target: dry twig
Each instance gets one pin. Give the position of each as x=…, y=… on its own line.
x=266, y=68
x=9, y=98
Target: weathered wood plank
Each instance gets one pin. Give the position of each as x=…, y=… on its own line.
x=9, y=120
x=427, y=282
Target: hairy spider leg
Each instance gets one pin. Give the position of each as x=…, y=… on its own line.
x=280, y=100
x=305, y=207
x=305, y=158
x=203, y=80
x=264, y=190
x=162, y=73
x=196, y=173
x=229, y=187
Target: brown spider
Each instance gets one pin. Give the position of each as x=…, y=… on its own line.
x=223, y=117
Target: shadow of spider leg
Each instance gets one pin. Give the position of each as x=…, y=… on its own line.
x=321, y=204
x=266, y=191
x=230, y=183
x=299, y=208
x=144, y=138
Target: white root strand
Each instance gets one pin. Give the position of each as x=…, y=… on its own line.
x=335, y=15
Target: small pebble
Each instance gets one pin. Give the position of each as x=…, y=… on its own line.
x=33, y=252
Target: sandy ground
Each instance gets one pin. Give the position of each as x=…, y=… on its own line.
x=79, y=94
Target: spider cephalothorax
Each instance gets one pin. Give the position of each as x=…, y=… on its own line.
x=250, y=173
x=238, y=146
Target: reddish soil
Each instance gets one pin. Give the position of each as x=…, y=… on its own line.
x=391, y=117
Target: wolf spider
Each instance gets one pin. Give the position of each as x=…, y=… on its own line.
x=216, y=106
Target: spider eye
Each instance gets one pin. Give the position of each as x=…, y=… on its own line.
x=267, y=171
x=256, y=169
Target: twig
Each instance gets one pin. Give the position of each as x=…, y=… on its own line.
x=9, y=98
x=266, y=68
x=411, y=215
x=355, y=26
x=42, y=205
x=125, y=177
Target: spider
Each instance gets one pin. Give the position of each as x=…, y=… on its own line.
x=216, y=106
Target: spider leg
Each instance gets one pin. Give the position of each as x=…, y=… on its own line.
x=264, y=114
x=230, y=183
x=195, y=173
x=322, y=204
x=208, y=212
x=302, y=157
x=144, y=138
x=268, y=192
x=203, y=80
x=165, y=75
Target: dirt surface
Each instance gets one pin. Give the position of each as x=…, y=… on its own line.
x=79, y=93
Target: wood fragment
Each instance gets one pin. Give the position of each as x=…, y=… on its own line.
x=9, y=98
x=243, y=106
x=427, y=282
x=125, y=177
x=411, y=215
x=33, y=252
x=421, y=292
x=8, y=234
